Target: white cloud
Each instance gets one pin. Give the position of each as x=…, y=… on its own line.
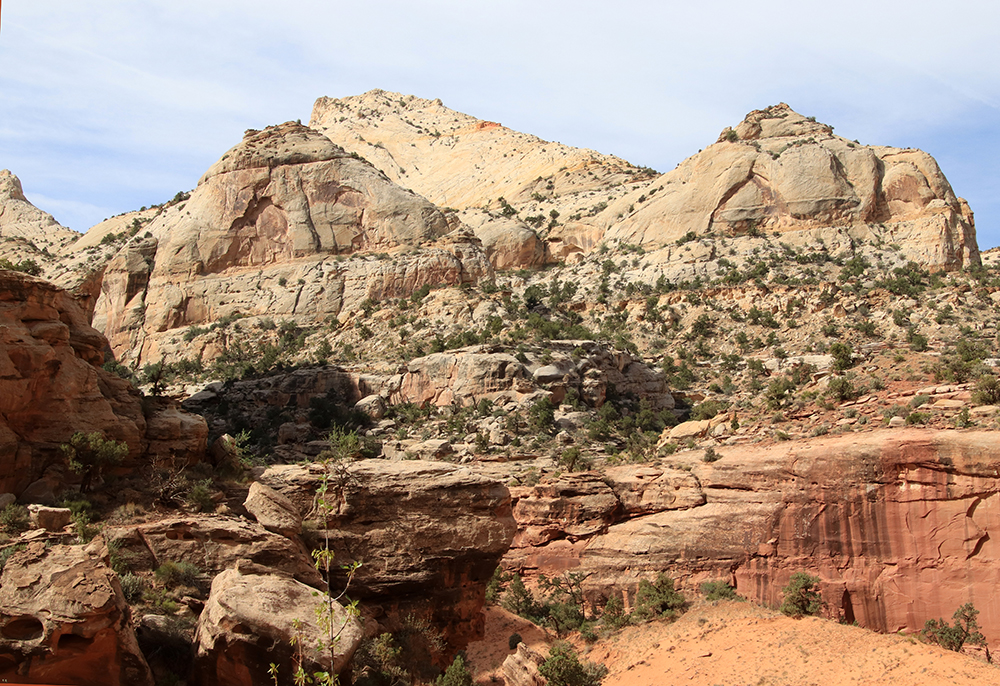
x=136, y=100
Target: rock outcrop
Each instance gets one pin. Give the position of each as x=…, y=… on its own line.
x=429, y=536
x=65, y=620
x=899, y=525
x=254, y=619
x=215, y=543
x=781, y=172
x=266, y=232
x=52, y=386
x=27, y=232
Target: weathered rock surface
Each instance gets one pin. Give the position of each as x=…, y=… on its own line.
x=468, y=164
x=27, y=232
x=272, y=510
x=779, y=171
x=254, y=618
x=429, y=535
x=466, y=375
x=65, y=620
x=521, y=668
x=52, y=386
x=276, y=210
x=898, y=524
x=214, y=543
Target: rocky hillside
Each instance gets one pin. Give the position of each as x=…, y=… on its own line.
x=406, y=337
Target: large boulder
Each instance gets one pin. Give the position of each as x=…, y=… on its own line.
x=214, y=543
x=65, y=620
x=255, y=618
x=429, y=536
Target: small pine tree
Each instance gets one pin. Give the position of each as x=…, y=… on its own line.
x=801, y=596
x=563, y=668
x=965, y=630
x=457, y=674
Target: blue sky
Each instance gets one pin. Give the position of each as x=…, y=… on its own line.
x=113, y=104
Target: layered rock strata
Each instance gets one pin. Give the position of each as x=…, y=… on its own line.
x=52, y=386
x=899, y=525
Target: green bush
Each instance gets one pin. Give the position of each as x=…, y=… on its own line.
x=133, y=587
x=173, y=574
x=965, y=630
x=801, y=596
x=987, y=390
x=90, y=454
x=513, y=640
x=457, y=674
x=14, y=519
x=718, y=590
x=657, y=599
x=564, y=668
x=843, y=356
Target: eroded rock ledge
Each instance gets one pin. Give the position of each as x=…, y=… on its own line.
x=900, y=525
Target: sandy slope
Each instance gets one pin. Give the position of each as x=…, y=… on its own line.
x=739, y=644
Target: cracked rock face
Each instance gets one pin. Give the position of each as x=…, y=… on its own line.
x=900, y=526
x=65, y=620
x=261, y=235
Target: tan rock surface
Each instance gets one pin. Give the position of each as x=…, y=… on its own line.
x=214, y=543
x=65, y=619
x=261, y=235
x=254, y=619
x=783, y=172
x=27, y=232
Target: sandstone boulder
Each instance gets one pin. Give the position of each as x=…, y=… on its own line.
x=429, y=535
x=254, y=619
x=214, y=543
x=272, y=510
x=521, y=667
x=65, y=620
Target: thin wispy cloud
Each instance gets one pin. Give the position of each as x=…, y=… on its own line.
x=113, y=104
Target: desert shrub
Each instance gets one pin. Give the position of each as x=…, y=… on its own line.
x=841, y=389
x=718, y=590
x=965, y=630
x=843, y=356
x=520, y=600
x=378, y=662
x=801, y=596
x=918, y=418
x=564, y=668
x=14, y=519
x=457, y=673
x=987, y=390
x=614, y=615
x=89, y=454
x=710, y=455
x=657, y=599
x=133, y=587
x=497, y=585
x=173, y=574
x=6, y=553
x=513, y=640
x=200, y=496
